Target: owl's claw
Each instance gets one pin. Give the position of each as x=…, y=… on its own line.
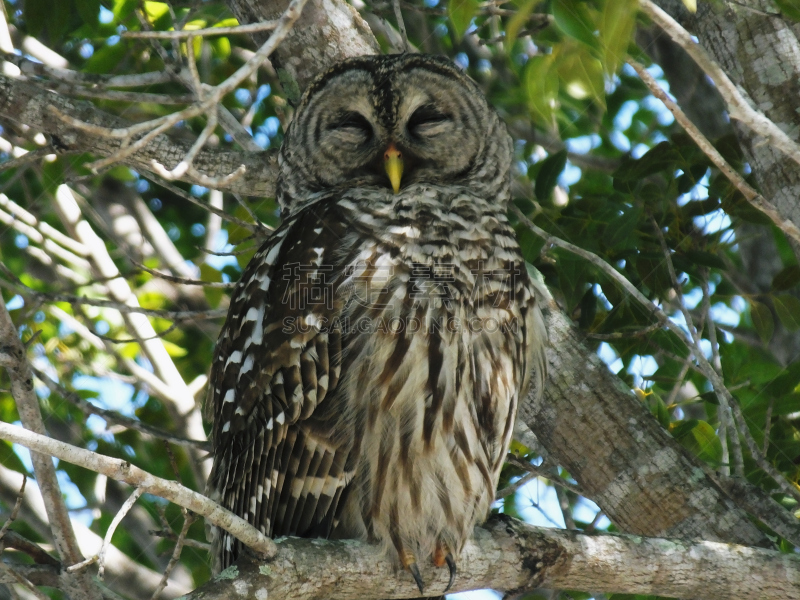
x=414, y=569
x=451, y=564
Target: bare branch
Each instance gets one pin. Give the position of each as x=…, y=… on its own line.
x=110, y=533
x=188, y=519
x=15, y=509
x=114, y=417
x=7, y=570
x=738, y=106
x=751, y=195
x=124, y=471
x=207, y=32
x=16, y=364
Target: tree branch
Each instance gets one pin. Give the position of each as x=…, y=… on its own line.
x=27, y=103
x=513, y=557
x=124, y=471
x=13, y=358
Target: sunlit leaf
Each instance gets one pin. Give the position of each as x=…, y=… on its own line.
x=461, y=13
x=616, y=28
x=174, y=350
x=573, y=18
x=541, y=84
x=701, y=439
x=155, y=10
x=516, y=22
x=582, y=75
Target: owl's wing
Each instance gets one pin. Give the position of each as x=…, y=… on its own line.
x=278, y=357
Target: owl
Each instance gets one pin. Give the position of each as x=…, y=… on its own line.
x=367, y=377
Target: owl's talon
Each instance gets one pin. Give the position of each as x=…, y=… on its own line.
x=451, y=564
x=414, y=569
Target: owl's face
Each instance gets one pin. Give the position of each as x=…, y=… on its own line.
x=391, y=122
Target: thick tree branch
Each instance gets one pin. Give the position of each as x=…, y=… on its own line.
x=27, y=103
x=13, y=358
x=122, y=573
x=512, y=557
x=124, y=471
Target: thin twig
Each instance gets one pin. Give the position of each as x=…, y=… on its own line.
x=401, y=26
x=14, y=540
x=15, y=510
x=23, y=581
x=768, y=424
x=181, y=280
x=151, y=129
x=32, y=68
x=512, y=488
x=751, y=195
x=30, y=414
x=114, y=417
x=252, y=227
x=623, y=335
x=168, y=534
x=113, y=527
x=543, y=473
x=207, y=32
x=28, y=157
x=724, y=411
x=179, y=315
x=188, y=519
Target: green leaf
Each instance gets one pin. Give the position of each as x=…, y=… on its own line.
x=662, y=156
x=89, y=10
x=573, y=18
x=623, y=227
x=582, y=75
x=670, y=341
x=551, y=168
x=762, y=320
x=700, y=438
x=51, y=19
x=789, y=8
x=461, y=13
x=786, y=279
x=212, y=275
x=155, y=10
x=710, y=397
x=788, y=309
x=516, y=22
x=616, y=28
x=173, y=349
x=541, y=84
x=706, y=259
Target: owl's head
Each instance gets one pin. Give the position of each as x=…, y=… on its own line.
x=391, y=122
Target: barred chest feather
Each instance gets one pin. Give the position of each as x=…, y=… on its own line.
x=436, y=382
x=373, y=397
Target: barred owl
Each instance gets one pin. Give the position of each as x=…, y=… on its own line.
x=366, y=379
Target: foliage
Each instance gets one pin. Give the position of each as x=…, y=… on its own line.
x=599, y=163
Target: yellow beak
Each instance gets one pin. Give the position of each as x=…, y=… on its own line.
x=393, y=162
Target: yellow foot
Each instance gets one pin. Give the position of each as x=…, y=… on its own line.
x=442, y=555
x=410, y=562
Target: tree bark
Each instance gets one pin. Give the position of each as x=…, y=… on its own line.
x=509, y=555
